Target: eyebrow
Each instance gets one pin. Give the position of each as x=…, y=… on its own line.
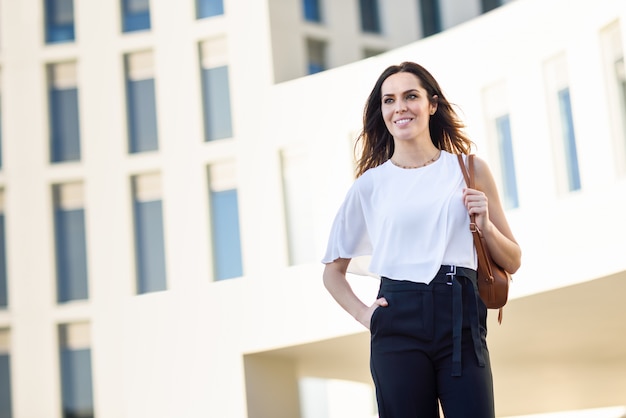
x=404, y=92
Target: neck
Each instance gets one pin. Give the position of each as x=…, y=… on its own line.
x=413, y=154
x=416, y=159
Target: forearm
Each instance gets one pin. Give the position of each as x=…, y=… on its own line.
x=504, y=251
x=337, y=285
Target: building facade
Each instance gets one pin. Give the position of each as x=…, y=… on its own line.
x=169, y=172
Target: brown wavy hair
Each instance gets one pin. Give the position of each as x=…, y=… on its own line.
x=446, y=128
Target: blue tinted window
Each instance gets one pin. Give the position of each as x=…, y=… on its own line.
x=71, y=255
x=431, y=17
x=507, y=162
x=76, y=383
x=5, y=386
x=216, y=103
x=59, y=20
x=64, y=125
x=226, y=239
x=312, y=10
x=150, y=252
x=569, y=140
x=136, y=15
x=142, y=122
x=208, y=8
x=488, y=5
x=4, y=297
x=370, y=19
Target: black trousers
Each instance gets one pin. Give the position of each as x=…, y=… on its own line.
x=429, y=346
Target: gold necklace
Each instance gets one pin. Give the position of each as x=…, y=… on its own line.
x=432, y=160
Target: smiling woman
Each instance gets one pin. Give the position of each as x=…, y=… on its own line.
x=409, y=210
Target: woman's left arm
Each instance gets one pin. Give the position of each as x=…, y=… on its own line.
x=484, y=202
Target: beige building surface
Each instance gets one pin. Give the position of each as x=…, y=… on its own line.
x=165, y=261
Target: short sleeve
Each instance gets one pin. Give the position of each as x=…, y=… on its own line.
x=349, y=236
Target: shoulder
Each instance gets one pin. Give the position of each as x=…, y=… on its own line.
x=483, y=175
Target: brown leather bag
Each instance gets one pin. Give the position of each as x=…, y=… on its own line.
x=493, y=281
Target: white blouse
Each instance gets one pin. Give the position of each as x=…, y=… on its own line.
x=410, y=221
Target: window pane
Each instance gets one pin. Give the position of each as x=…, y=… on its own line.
x=370, y=19
x=208, y=8
x=216, y=102
x=149, y=238
x=150, y=246
x=4, y=297
x=226, y=238
x=431, y=17
x=136, y=15
x=507, y=163
x=76, y=379
x=488, y=5
x=59, y=20
x=65, y=134
x=569, y=140
x=5, y=375
x=5, y=386
x=312, y=10
x=71, y=254
x=316, y=56
x=142, y=123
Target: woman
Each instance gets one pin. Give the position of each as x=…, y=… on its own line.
x=408, y=209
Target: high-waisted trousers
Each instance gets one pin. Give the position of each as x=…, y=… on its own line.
x=428, y=346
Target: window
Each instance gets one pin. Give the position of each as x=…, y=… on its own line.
x=296, y=173
x=569, y=139
x=316, y=51
x=370, y=19
x=149, y=237
x=488, y=5
x=312, y=11
x=615, y=75
x=141, y=103
x=59, y=20
x=5, y=374
x=75, y=361
x=565, y=156
x=135, y=15
x=4, y=297
x=224, y=206
x=431, y=17
x=215, y=89
x=64, y=120
x=71, y=251
x=209, y=8
x=500, y=142
x=507, y=162
x=372, y=52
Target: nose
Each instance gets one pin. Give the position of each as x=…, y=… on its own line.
x=400, y=106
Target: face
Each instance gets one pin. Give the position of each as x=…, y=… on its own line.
x=406, y=108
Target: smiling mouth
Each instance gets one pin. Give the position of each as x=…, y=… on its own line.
x=402, y=121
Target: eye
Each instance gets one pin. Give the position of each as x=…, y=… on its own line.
x=387, y=100
x=411, y=96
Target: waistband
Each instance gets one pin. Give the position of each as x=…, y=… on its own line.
x=449, y=275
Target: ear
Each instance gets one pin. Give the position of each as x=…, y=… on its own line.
x=434, y=104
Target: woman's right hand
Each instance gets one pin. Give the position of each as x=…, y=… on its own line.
x=366, y=317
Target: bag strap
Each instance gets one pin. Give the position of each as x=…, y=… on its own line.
x=476, y=232
x=481, y=251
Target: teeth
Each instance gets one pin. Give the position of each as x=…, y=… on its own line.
x=402, y=121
